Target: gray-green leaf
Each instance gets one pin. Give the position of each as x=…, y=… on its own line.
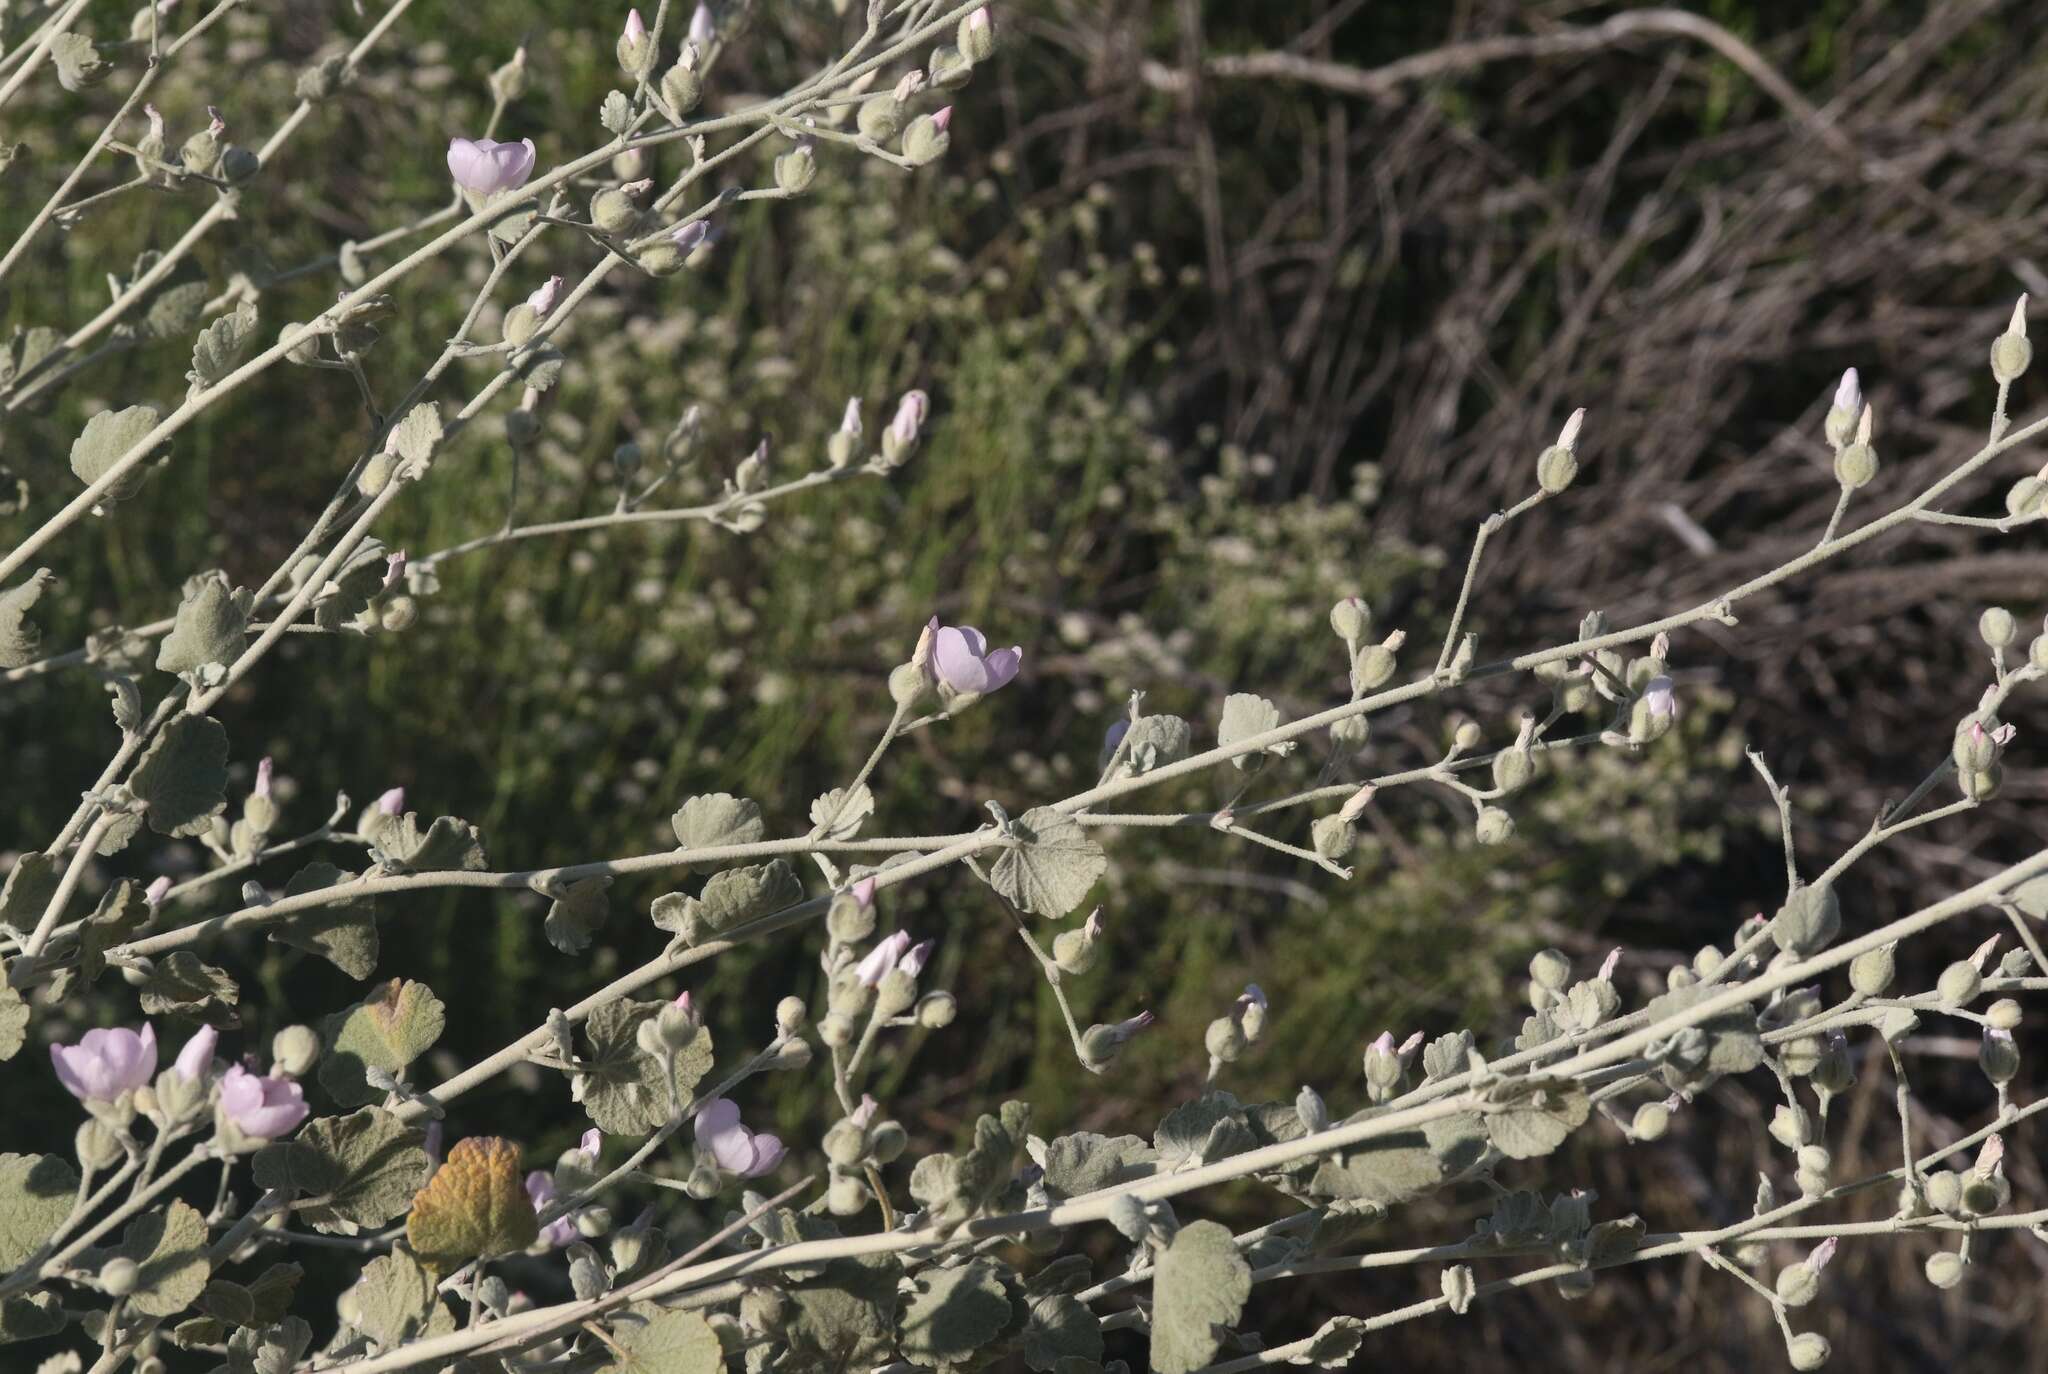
x=1049, y=867
x=170, y=1250
x=106, y=439
x=344, y=933
x=19, y=639
x=31, y=884
x=1246, y=714
x=387, y=1030
x=36, y=1193
x=351, y=1171
x=1529, y=1118
x=417, y=437
x=1198, y=1292
x=396, y=1301
x=839, y=814
x=212, y=626
x=616, y=113
x=448, y=845
x=718, y=820
x=578, y=911
x=221, y=344
x=182, y=780
x=621, y=1086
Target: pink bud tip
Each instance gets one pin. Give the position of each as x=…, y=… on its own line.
x=636, y=29
x=1822, y=1253
x=942, y=119
x=1385, y=1043
x=1608, y=965
x=592, y=1138
x=155, y=893
x=864, y=893
x=262, y=788
x=683, y=1003
x=392, y=802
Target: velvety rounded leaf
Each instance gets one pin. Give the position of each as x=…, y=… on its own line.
x=1198, y=1290
x=1050, y=868
x=182, y=780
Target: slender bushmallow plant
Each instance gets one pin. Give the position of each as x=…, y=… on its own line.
x=160, y=1217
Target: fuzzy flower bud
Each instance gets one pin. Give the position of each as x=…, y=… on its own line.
x=636, y=49
x=926, y=140
x=1842, y=415
x=1075, y=951
x=1101, y=1044
x=977, y=36
x=1856, y=462
x=796, y=169
x=2010, y=351
x=904, y=431
x=1558, y=466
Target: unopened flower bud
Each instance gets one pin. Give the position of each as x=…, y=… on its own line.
x=1980, y=786
x=1959, y=983
x=1870, y=972
x=682, y=86
x=508, y=82
x=1944, y=1269
x=1808, y=1351
x=1224, y=1039
x=1797, y=1285
x=926, y=139
x=977, y=36
x=887, y=1141
x=1308, y=1105
x=2010, y=351
x=1792, y=1126
x=895, y=994
x=936, y=1010
x=1332, y=836
x=1944, y=1191
x=1996, y=627
x=837, y=1030
x=880, y=117
x=96, y=1145
x=294, y=1050
x=1493, y=826
x=2023, y=498
x=1856, y=463
x=796, y=169
x=1075, y=951
x=2004, y=1014
x=1101, y=1044
x=1999, y=1056
x=1842, y=415
x=1373, y=666
x=1557, y=467
x=1551, y=969
x=117, y=1276
x=1351, y=618
x=846, y=1196
x=1652, y=1120
x=790, y=1013
x=636, y=48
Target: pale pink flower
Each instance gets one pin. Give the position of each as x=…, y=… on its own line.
x=106, y=1062
x=487, y=167
x=962, y=660
x=262, y=1107
x=736, y=1149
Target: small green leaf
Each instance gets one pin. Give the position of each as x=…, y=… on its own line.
x=262, y=1303
x=840, y=813
x=220, y=345
x=212, y=626
x=1085, y=1162
x=106, y=439
x=577, y=912
x=1198, y=1291
x=397, y=1301
x=121, y=913
x=182, y=780
x=181, y=984
x=1528, y=1118
x=1335, y=1345
x=36, y=1193
x=30, y=1318
x=169, y=1248
x=1051, y=864
x=19, y=639
x=1061, y=1327
x=31, y=884
x=1210, y=1128
x=621, y=1086
x=173, y=311
x=343, y=933
x=952, y=1313
x=1154, y=742
x=79, y=63
x=418, y=435
x=716, y=821
x=394, y=1025
x=616, y=114
x=474, y=1207
x=1246, y=714
x=652, y=1340
x=13, y=1022
x=349, y=1172
x=738, y=895
x=448, y=845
